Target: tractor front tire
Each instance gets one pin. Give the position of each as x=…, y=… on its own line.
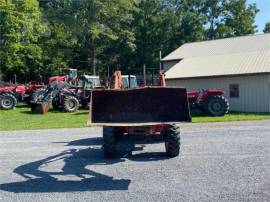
x=7, y=101
x=216, y=105
x=109, y=142
x=172, y=141
x=70, y=104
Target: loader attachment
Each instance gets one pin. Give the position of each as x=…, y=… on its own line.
x=40, y=107
x=142, y=106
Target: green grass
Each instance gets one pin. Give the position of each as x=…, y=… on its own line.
x=232, y=116
x=21, y=119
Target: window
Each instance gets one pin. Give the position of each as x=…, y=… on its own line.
x=234, y=90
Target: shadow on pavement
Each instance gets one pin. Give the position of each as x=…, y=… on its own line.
x=77, y=162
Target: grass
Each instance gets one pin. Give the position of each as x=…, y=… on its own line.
x=232, y=116
x=21, y=118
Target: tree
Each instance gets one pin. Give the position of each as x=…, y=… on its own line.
x=96, y=25
x=153, y=24
x=21, y=28
x=267, y=28
x=213, y=10
x=229, y=18
x=238, y=19
x=57, y=47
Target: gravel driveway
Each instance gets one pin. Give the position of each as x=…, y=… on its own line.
x=218, y=162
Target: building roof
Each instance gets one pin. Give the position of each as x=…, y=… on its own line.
x=231, y=56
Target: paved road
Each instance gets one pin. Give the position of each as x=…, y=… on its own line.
x=218, y=162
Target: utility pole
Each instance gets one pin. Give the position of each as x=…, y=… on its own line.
x=144, y=75
x=160, y=57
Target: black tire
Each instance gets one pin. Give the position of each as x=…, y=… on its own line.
x=36, y=94
x=216, y=105
x=109, y=142
x=7, y=101
x=55, y=104
x=70, y=104
x=172, y=141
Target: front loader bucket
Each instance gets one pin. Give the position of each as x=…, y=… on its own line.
x=146, y=106
x=40, y=107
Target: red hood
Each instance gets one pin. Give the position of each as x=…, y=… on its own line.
x=19, y=88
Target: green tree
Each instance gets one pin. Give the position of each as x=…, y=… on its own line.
x=153, y=23
x=96, y=25
x=229, y=18
x=58, y=45
x=21, y=28
x=164, y=25
x=238, y=19
x=213, y=9
x=267, y=28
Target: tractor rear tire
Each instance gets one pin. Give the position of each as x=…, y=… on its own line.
x=216, y=105
x=172, y=141
x=70, y=104
x=109, y=142
x=7, y=101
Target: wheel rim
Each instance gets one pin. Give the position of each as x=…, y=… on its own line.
x=216, y=106
x=71, y=104
x=7, y=102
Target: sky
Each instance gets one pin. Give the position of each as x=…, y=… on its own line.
x=264, y=15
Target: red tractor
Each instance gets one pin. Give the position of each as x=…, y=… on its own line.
x=210, y=102
x=65, y=96
x=139, y=113
x=70, y=78
x=10, y=94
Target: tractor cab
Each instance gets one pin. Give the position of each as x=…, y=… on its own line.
x=129, y=81
x=72, y=75
x=89, y=82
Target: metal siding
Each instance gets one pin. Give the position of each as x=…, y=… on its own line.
x=269, y=93
x=230, y=64
x=221, y=47
x=254, y=90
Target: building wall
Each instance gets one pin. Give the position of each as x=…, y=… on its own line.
x=254, y=90
x=269, y=92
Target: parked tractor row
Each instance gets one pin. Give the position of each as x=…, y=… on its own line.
x=71, y=91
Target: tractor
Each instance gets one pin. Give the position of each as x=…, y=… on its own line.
x=70, y=97
x=63, y=95
x=126, y=112
x=59, y=94
x=210, y=102
x=11, y=94
x=39, y=89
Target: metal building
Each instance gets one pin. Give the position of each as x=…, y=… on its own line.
x=240, y=66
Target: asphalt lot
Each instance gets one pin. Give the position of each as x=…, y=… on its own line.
x=218, y=162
